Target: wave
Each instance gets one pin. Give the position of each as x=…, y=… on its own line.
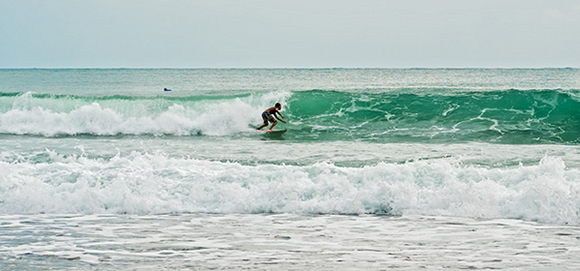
x=144, y=183
x=69, y=115
x=511, y=116
x=401, y=115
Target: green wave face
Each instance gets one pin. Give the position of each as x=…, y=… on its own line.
x=511, y=117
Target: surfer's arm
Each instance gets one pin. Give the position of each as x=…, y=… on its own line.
x=275, y=115
x=278, y=113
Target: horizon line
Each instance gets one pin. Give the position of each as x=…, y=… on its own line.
x=286, y=68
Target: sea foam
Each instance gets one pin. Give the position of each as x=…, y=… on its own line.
x=57, y=116
x=143, y=183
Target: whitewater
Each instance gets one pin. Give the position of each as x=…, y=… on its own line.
x=400, y=169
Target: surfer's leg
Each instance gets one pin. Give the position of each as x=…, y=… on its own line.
x=272, y=120
x=265, y=118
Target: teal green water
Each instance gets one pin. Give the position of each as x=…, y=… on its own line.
x=459, y=142
x=400, y=115
x=103, y=169
x=506, y=116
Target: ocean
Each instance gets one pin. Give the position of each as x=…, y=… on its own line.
x=380, y=169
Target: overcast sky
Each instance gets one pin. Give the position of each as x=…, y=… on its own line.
x=289, y=34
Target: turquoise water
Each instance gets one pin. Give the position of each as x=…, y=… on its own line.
x=430, y=116
x=386, y=141
x=431, y=106
x=380, y=169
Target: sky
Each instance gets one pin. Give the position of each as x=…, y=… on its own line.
x=289, y=33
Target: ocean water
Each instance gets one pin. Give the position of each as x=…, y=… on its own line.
x=399, y=169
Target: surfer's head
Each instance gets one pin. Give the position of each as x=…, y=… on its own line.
x=278, y=106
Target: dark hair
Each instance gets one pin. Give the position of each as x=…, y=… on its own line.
x=277, y=105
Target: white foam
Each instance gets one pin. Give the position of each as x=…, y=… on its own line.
x=50, y=117
x=142, y=183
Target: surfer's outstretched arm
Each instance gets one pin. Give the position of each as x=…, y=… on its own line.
x=279, y=118
x=276, y=115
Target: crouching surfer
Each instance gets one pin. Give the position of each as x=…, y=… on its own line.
x=269, y=114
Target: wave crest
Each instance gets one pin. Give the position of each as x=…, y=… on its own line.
x=68, y=115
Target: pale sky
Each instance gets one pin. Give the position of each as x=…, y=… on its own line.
x=289, y=33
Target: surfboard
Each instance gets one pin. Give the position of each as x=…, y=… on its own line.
x=273, y=131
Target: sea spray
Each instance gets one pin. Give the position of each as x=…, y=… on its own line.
x=58, y=115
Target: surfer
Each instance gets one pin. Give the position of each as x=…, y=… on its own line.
x=269, y=114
